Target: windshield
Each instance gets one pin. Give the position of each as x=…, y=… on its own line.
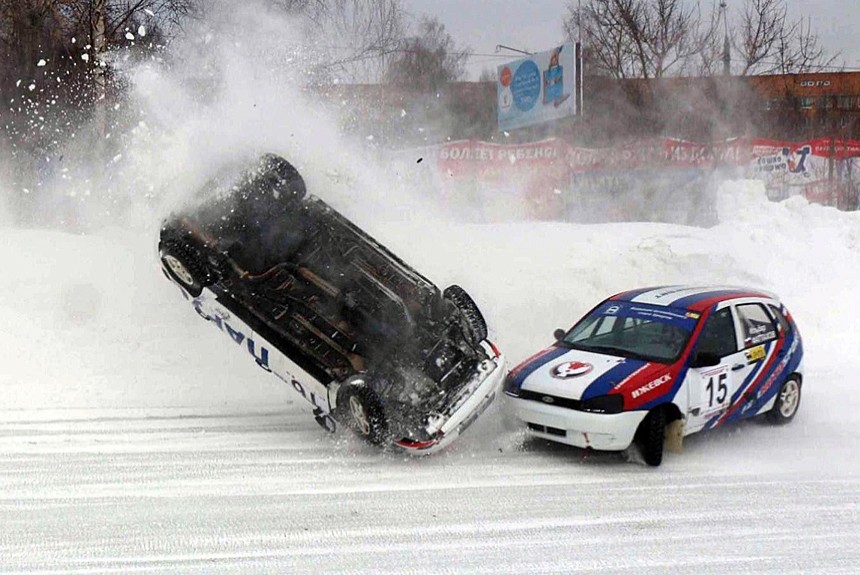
x=637, y=331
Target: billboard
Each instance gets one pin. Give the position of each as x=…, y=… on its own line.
x=537, y=89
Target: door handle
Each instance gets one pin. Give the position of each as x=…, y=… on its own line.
x=738, y=366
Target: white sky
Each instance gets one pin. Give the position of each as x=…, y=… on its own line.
x=535, y=25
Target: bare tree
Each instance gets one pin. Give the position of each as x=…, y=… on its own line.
x=351, y=39
x=428, y=60
x=639, y=38
x=768, y=42
x=654, y=38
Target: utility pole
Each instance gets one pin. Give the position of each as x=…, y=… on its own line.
x=99, y=42
x=580, y=64
x=727, y=46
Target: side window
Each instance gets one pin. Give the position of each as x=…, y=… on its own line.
x=757, y=326
x=718, y=336
x=784, y=326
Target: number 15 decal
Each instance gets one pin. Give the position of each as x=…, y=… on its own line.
x=718, y=389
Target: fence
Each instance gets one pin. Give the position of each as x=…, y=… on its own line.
x=658, y=180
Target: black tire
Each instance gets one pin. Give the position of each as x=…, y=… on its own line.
x=278, y=175
x=473, y=322
x=360, y=409
x=787, y=402
x=651, y=436
x=185, y=265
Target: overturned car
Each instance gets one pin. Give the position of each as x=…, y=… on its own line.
x=368, y=341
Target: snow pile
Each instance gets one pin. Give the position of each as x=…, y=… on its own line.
x=91, y=323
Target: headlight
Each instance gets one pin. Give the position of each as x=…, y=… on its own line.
x=603, y=404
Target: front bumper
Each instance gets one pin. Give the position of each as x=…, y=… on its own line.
x=604, y=432
x=476, y=398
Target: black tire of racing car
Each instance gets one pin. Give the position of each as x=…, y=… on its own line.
x=288, y=181
x=787, y=402
x=651, y=435
x=474, y=324
x=177, y=258
x=360, y=409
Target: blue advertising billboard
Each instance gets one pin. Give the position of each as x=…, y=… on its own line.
x=537, y=89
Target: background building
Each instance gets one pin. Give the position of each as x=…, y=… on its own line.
x=702, y=109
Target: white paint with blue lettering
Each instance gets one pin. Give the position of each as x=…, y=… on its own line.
x=268, y=356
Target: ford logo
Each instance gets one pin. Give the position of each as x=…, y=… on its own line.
x=547, y=399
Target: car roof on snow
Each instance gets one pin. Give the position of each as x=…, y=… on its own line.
x=695, y=298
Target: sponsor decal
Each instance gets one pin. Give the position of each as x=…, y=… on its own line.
x=532, y=364
x=778, y=370
x=796, y=160
x=674, y=291
x=261, y=354
x=755, y=354
x=677, y=317
x=762, y=337
x=692, y=315
x=570, y=369
x=652, y=385
x=548, y=399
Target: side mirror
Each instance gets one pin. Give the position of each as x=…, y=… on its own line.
x=705, y=359
x=559, y=334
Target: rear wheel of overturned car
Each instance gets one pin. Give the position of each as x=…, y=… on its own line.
x=651, y=435
x=186, y=266
x=787, y=402
x=361, y=410
x=473, y=321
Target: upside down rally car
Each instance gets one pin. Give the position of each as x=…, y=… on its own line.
x=695, y=358
x=369, y=342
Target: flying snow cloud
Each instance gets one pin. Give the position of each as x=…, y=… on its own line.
x=235, y=85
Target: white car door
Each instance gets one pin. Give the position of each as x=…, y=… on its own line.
x=758, y=331
x=710, y=389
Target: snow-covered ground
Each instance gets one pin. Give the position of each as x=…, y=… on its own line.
x=133, y=439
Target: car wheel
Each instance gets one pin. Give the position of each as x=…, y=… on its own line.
x=651, y=435
x=361, y=410
x=473, y=321
x=787, y=402
x=279, y=176
x=185, y=265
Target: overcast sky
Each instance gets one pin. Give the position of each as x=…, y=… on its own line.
x=535, y=25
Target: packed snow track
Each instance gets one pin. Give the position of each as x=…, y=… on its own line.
x=175, y=492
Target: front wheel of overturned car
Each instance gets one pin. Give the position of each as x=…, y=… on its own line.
x=361, y=410
x=185, y=265
x=787, y=402
x=474, y=324
x=651, y=435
